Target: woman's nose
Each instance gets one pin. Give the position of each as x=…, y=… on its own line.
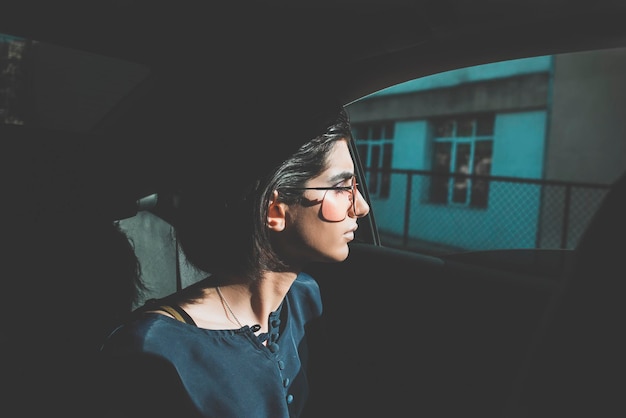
x=360, y=205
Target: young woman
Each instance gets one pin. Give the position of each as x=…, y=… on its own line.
x=235, y=343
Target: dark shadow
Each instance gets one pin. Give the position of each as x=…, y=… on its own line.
x=71, y=274
x=576, y=363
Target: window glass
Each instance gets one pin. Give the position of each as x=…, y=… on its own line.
x=47, y=86
x=453, y=151
x=11, y=83
x=375, y=144
x=508, y=155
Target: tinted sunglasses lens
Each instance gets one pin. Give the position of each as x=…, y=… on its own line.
x=336, y=203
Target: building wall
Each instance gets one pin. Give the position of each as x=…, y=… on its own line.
x=514, y=93
x=496, y=70
x=586, y=119
x=555, y=118
x=519, y=102
x=519, y=142
x=589, y=111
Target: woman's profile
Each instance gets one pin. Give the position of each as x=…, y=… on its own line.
x=235, y=344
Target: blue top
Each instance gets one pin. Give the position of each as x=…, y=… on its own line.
x=230, y=373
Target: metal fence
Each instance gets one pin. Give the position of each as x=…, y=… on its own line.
x=515, y=213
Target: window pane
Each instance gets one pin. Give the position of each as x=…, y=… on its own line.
x=445, y=128
x=465, y=127
x=537, y=154
x=42, y=85
x=377, y=131
x=441, y=167
x=482, y=167
x=374, y=170
x=461, y=166
x=389, y=130
x=484, y=125
x=386, y=174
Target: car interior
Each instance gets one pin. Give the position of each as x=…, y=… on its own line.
x=106, y=105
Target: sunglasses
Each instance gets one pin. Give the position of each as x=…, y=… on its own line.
x=337, y=200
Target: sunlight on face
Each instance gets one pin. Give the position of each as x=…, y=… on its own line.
x=309, y=236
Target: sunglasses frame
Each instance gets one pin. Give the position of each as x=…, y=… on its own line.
x=352, y=188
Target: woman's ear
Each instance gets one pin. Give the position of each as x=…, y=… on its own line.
x=276, y=213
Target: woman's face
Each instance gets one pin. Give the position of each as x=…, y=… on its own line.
x=320, y=227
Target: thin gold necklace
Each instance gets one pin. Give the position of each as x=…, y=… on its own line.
x=219, y=292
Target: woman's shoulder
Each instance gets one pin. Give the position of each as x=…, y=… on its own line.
x=138, y=366
x=305, y=285
x=305, y=294
x=141, y=327
x=305, y=279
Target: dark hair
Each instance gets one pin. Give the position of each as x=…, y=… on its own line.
x=226, y=229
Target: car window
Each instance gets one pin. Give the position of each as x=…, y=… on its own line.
x=507, y=155
x=48, y=86
x=500, y=157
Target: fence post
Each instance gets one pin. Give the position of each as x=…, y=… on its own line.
x=407, y=210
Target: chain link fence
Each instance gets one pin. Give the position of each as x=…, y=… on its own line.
x=511, y=213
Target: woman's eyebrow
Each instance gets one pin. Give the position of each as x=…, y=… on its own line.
x=344, y=175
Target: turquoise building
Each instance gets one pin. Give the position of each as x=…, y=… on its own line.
x=461, y=159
